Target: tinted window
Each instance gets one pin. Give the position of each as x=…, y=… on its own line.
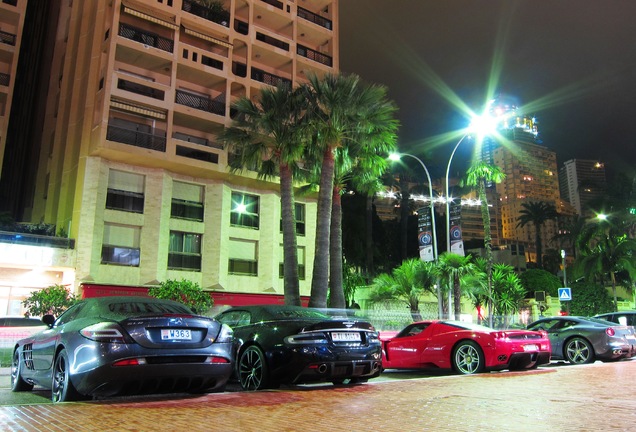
x=136, y=308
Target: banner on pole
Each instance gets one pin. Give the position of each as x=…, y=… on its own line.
x=456, y=242
x=425, y=234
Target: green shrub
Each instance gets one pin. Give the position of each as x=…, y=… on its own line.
x=184, y=292
x=51, y=300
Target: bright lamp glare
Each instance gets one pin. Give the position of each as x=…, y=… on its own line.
x=394, y=156
x=240, y=208
x=484, y=124
x=602, y=216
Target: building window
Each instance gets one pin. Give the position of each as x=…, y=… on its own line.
x=301, y=263
x=299, y=219
x=244, y=212
x=125, y=191
x=187, y=201
x=243, y=257
x=120, y=245
x=185, y=251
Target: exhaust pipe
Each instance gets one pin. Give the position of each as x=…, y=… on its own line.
x=618, y=351
x=322, y=368
x=375, y=366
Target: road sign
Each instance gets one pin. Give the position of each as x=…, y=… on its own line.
x=565, y=294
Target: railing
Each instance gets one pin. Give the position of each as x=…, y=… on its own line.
x=241, y=27
x=36, y=240
x=272, y=41
x=200, y=102
x=140, y=89
x=145, y=37
x=219, y=16
x=316, y=19
x=274, y=3
x=7, y=38
x=184, y=261
x=314, y=55
x=243, y=267
x=152, y=141
x=197, y=154
x=239, y=69
x=10, y=2
x=4, y=79
x=271, y=79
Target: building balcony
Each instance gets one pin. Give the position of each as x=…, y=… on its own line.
x=202, y=103
x=5, y=79
x=7, y=38
x=270, y=79
x=36, y=240
x=220, y=17
x=272, y=41
x=314, y=18
x=153, y=141
x=145, y=37
x=274, y=3
x=10, y=2
x=140, y=89
x=314, y=55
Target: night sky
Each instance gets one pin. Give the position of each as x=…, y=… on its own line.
x=570, y=63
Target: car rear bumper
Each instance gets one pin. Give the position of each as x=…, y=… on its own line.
x=111, y=380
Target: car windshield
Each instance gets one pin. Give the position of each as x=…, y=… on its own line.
x=303, y=313
x=600, y=321
x=137, y=308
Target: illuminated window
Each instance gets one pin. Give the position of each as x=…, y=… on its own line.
x=244, y=211
x=185, y=251
x=301, y=263
x=120, y=245
x=187, y=201
x=299, y=219
x=243, y=257
x=125, y=191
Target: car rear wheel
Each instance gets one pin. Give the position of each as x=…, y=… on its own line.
x=17, y=382
x=579, y=351
x=252, y=369
x=468, y=358
x=62, y=389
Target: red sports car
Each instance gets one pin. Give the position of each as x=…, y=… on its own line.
x=463, y=347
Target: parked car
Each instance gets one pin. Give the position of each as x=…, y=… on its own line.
x=623, y=317
x=464, y=347
x=124, y=345
x=13, y=329
x=583, y=340
x=288, y=344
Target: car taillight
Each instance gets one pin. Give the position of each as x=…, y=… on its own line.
x=104, y=332
x=610, y=331
x=226, y=334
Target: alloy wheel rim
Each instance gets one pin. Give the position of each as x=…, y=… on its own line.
x=59, y=380
x=578, y=351
x=251, y=370
x=467, y=359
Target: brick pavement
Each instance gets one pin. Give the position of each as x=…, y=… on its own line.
x=561, y=398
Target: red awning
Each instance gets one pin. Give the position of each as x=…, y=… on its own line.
x=220, y=298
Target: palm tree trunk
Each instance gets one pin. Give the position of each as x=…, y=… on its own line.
x=336, y=292
x=613, y=276
x=539, y=246
x=320, y=277
x=457, y=298
x=369, y=237
x=290, y=249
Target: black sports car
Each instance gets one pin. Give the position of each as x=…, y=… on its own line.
x=288, y=344
x=124, y=345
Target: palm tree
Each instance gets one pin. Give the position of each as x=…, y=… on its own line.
x=342, y=109
x=537, y=213
x=453, y=268
x=508, y=292
x=406, y=283
x=479, y=175
x=607, y=250
x=266, y=136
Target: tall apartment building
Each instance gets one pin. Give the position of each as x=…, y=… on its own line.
x=582, y=182
x=130, y=167
x=531, y=175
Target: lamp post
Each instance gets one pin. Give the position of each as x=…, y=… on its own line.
x=565, y=279
x=448, y=200
x=396, y=157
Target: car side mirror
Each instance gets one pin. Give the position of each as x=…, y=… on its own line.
x=48, y=320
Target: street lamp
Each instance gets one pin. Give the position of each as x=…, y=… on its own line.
x=448, y=200
x=396, y=157
x=565, y=279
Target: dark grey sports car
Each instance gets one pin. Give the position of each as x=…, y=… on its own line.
x=287, y=344
x=584, y=340
x=124, y=345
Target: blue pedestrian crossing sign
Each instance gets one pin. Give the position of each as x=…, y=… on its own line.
x=565, y=294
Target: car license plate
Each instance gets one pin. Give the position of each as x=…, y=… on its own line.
x=176, y=334
x=532, y=347
x=345, y=336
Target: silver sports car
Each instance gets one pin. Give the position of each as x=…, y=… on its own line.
x=124, y=345
x=584, y=340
